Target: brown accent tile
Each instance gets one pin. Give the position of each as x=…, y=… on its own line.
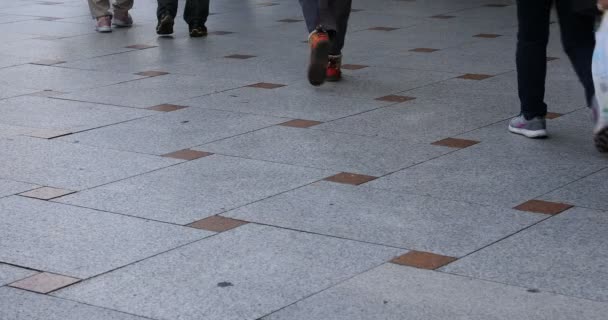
x=217, y=224
x=487, y=35
x=455, y=143
x=443, y=16
x=553, y=115
x=47, y=62
x=546, y=207
x=353, y=66
x=151, y=73
x=300, y=123
x=423, y=260
x=239, y=56
x=46, y=93
x=47, y=134
x=395, y=98
x=220, y=33
x=290, y=20
x=166, y=107
x=266, y=85
x=496, y=5
x=140, y=46
x=187, y=154
x=46, y=193
x=44, y=282
x=475, y=76
x=350, y=178
x=549, y=59
x=424, y=50
x=383, y=29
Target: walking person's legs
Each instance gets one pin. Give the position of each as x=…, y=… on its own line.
x=195, y=15
x=165, y=13
x=100, y=10
x=341, y=12
x=122, y=18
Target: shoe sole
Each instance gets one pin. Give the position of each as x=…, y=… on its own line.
x=601, y=140
x=104, y=30
x=529, y=133
x=319, y=58
x=196, y=34
x=122, y=25
x=165, y=26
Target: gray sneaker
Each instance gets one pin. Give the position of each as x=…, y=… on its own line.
x=533, y=128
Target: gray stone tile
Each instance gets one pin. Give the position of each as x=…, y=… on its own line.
x=391, y=291
x=8, y=91
x=326, y=150
x=9, y=274
x=73, y=116
x=565, y=254
x=58, y=79
x=70, y=166
x=9, y=131
x=61, y=49
x=18, y=304
x=285, y=102
x=412, y=222
x=156, y=90
x=244, y=273
x=50, y=236
x=9, y=61
x=197, y=189
x=47, y=28
x=588, y=192
x=9, y=187
x=169, y=132
x=37, y=9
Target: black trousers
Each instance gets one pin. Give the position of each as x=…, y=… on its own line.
x=331, y=15
x=196, y=11
x=578, y=40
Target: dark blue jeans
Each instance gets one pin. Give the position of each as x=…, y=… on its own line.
x=196, y=11
x=578, y=40
x=332, y=16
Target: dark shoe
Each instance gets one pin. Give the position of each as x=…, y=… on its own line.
x=319, y=57
x=165, y=25
x=334, y=72
x=198, y=30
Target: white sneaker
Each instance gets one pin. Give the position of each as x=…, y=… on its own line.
x=104, y=24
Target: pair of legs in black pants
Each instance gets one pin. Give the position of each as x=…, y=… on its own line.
x=195, y=14
x=330, y=15
x=577, y=33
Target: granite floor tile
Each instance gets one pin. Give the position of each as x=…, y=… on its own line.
x=407, y=221
x=565, y=254
x=244, y=273
x=50, y=236
x=588, y=192
x=9, y=187
x=44, y=282
x=10, y=274
x=197, y=189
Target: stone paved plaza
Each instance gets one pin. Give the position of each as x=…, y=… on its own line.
x=193, y=179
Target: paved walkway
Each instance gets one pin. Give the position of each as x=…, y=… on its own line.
x=176, y=178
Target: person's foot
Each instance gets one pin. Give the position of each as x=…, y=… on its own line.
x=334, y=72
x=104, y=24
x=533, y=128
x=198, y=30
x=600, y=130
x=319, y=57
x=165, y=25
x=122, y=19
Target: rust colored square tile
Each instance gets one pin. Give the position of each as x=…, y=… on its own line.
x=151, y=73
x=47, y=134
x=187, y=154
x=300, y=123
x=350, y=178
x=166, y=107
x=395, y=98
x=546, y=207
x=217, y=224
x=46, y=93
x=487, y=35
x=289, y=20
x=424, y=50
x=140, y=46
x=44, y=282
x=423, y=260
x=220, y=33
x=266, y=85
x=47, y=62
x=553, y=115
x=383, y=29
x=353, y=66
x=549, y=59
x=443, y=16
x=455, y=143
x=474, y=76
x=239, y=56
x=46, y=193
